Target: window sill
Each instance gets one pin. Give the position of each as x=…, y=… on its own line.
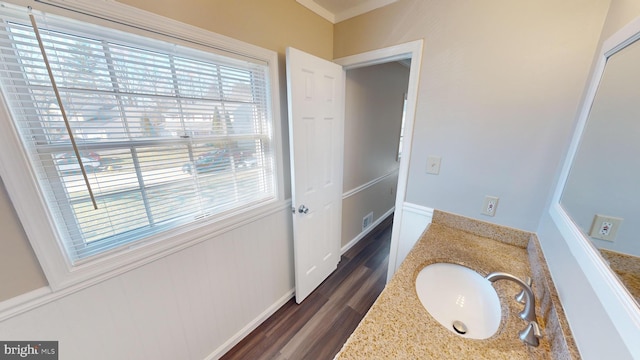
x=155, y=247
x=137, y=255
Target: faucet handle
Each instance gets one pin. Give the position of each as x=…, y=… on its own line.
x=531, y=335
x=520, y=297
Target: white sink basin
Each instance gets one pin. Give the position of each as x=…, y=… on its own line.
x=460, y=299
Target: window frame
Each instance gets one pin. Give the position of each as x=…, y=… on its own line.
x=30, y=205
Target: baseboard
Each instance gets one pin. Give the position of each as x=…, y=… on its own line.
x=361, y=236
x=235, y=339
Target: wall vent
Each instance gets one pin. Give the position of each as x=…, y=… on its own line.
x=367, y=220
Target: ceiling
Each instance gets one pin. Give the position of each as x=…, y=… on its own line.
x=339, y=10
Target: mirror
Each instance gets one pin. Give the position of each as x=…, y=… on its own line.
x=602, y=191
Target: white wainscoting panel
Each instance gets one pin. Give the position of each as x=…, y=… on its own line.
x=414, y=220
x=194, y=304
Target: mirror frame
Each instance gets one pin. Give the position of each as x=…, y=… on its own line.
x=622, y=309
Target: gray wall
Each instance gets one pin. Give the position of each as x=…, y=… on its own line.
x=374, y=102
x=500, y=84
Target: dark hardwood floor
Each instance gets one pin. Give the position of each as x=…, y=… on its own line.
x=317, y=328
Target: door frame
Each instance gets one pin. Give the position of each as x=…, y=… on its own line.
x=410, y=50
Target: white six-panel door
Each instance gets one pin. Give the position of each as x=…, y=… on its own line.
x=315, y=90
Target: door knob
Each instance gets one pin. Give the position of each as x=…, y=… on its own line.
x=303, y=209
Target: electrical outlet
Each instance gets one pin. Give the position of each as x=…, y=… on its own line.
x=489, y=205
x=605, y=227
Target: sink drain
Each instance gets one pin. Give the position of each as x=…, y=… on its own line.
x=460, y=327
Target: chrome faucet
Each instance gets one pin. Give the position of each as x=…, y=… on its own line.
x=531, y=333
x=529, y=312
x=520, y=296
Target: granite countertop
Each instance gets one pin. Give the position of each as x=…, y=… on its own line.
x=627, y=267
x=398, y=327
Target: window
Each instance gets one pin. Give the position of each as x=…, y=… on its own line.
x=167, y=134
x=401, y=139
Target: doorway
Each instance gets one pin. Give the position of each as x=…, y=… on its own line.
x=409, y=54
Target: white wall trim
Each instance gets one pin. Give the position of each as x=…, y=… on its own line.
x=367, y=185
x=410, y=50
x=420, y=210
x=619, y=304
x=362, y=8
x=616, y=300
x=319, y=10
x=364, y=233
x=345, y=14
x=25, y=302
x=235, y=339
x=125, y=17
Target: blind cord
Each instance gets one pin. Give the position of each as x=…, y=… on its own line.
x=62, y=111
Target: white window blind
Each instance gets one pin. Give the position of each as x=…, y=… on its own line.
x=167, y=134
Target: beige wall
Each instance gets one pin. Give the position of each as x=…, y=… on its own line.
x=374, y=98
x=272, y=24
x=19, y=268
x=500, y=83
x=378, y=199
x=621, y=12
x=374, y=101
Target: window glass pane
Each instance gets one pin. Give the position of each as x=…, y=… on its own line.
x=122, y=212
x=148, y=116
x=93, y=117
x=197, y=79
x=116, y=187
x=204, y=118
x=141, y=72
x=171, y=192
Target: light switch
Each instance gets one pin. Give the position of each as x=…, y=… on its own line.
x=433, y=165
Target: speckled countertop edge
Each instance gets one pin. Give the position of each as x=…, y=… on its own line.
x=627, y=268
x=550, y=310
x=499, y=233
x=398, y=327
